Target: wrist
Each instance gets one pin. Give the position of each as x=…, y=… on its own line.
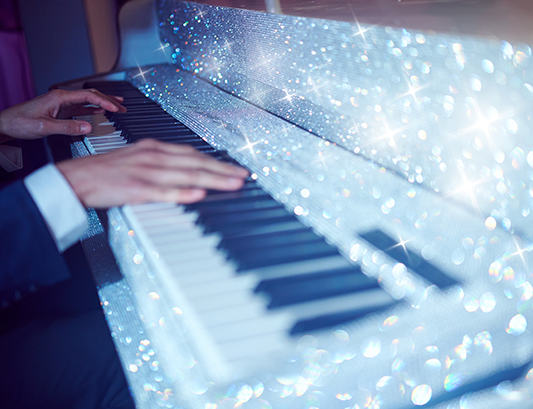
x=4, y=137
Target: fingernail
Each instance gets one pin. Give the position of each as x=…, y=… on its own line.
x=85, y=128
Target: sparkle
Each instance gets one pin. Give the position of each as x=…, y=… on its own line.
x=322, y=159
x=361, y=31
x=402, y=244
x=520, y=252
x=413, y=89
x=288, y=96
x=468, y=187
x=162, y=47
x=141, y=73
x=314, y=86
x=248, y=145
x=227, y=45
x=201, y=13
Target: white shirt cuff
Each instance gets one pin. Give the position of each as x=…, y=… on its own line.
x=64, y=214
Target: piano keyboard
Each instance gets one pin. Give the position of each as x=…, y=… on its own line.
x=248, y=271
x=247, y=274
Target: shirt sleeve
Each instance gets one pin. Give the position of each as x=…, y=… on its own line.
x=63, y=213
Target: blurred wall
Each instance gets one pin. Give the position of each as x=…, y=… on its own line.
x=58, y=41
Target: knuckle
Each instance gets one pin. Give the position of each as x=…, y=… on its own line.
x=40, y=126
x=192, y=177
x=147, y=143
x=188, y=148
x=69, y=127
x=56, y=94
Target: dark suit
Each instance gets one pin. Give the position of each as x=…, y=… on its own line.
x=58, y=352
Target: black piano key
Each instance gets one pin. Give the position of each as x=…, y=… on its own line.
x=308, y=287
x=260, y=229
x=233, y=196
x=122, y=119
x=411, y=260
x=231, y=228
x=283, y=255
x=232, y=207
x=243, y=244
x=154, y=126
x=208, y=219
x=256, y=231
x=332, y=320
x=162, y=135
x=249, y=184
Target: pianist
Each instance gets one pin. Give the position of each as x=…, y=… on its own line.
x=56, y=345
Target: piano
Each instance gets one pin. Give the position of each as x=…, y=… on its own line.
x=379, y=256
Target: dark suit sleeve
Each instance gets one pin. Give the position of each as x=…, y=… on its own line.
x=29, y=258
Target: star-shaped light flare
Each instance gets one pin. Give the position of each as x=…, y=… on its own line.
x=248, y=145
x=163, y=47
x=520, y=252
x=361, y=31
x=201, y=13
x=468, y=188
x=322, y=159
x=288, y=96
x=402, y=243
x=141, y=73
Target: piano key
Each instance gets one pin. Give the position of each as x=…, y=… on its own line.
x=301, y=288
x=411, y=260
x=369, y=302
x=283, y=254
x=207, y=219
x=238, y=244
x=258, y=253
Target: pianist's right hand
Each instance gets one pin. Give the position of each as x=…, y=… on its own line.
x=148, y=171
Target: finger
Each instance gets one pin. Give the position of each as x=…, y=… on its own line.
x=188, y=157
x=66, y=127
x=110, y=103
x=171, y=194
x=94, y=97
x=87, y=111
x=201, y=162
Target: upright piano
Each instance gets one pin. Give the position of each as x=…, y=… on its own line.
x=379, y=255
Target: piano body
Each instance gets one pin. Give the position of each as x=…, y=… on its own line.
x=387, y=220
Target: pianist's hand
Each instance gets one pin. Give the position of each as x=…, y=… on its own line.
x=148, y=171
x=45, y=115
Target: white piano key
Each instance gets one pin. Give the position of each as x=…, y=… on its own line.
x=261, y=345
x=185, y=244
x=195, y=277
x=302, y=267
x=229, y=299
x=193, y=265
x=251, y=328
x=225, y=285
x=223, y=316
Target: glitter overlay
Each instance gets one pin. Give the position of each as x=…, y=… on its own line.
x=370, y=135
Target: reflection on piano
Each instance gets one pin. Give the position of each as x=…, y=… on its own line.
x=379, y=254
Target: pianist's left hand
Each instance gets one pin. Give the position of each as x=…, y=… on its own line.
x=46, y=114
x=149, y=171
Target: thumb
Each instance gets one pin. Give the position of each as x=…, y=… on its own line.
x=67, y=127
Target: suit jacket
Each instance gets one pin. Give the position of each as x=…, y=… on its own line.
x=29, y=258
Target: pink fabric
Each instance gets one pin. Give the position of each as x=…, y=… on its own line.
x=16, y=84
